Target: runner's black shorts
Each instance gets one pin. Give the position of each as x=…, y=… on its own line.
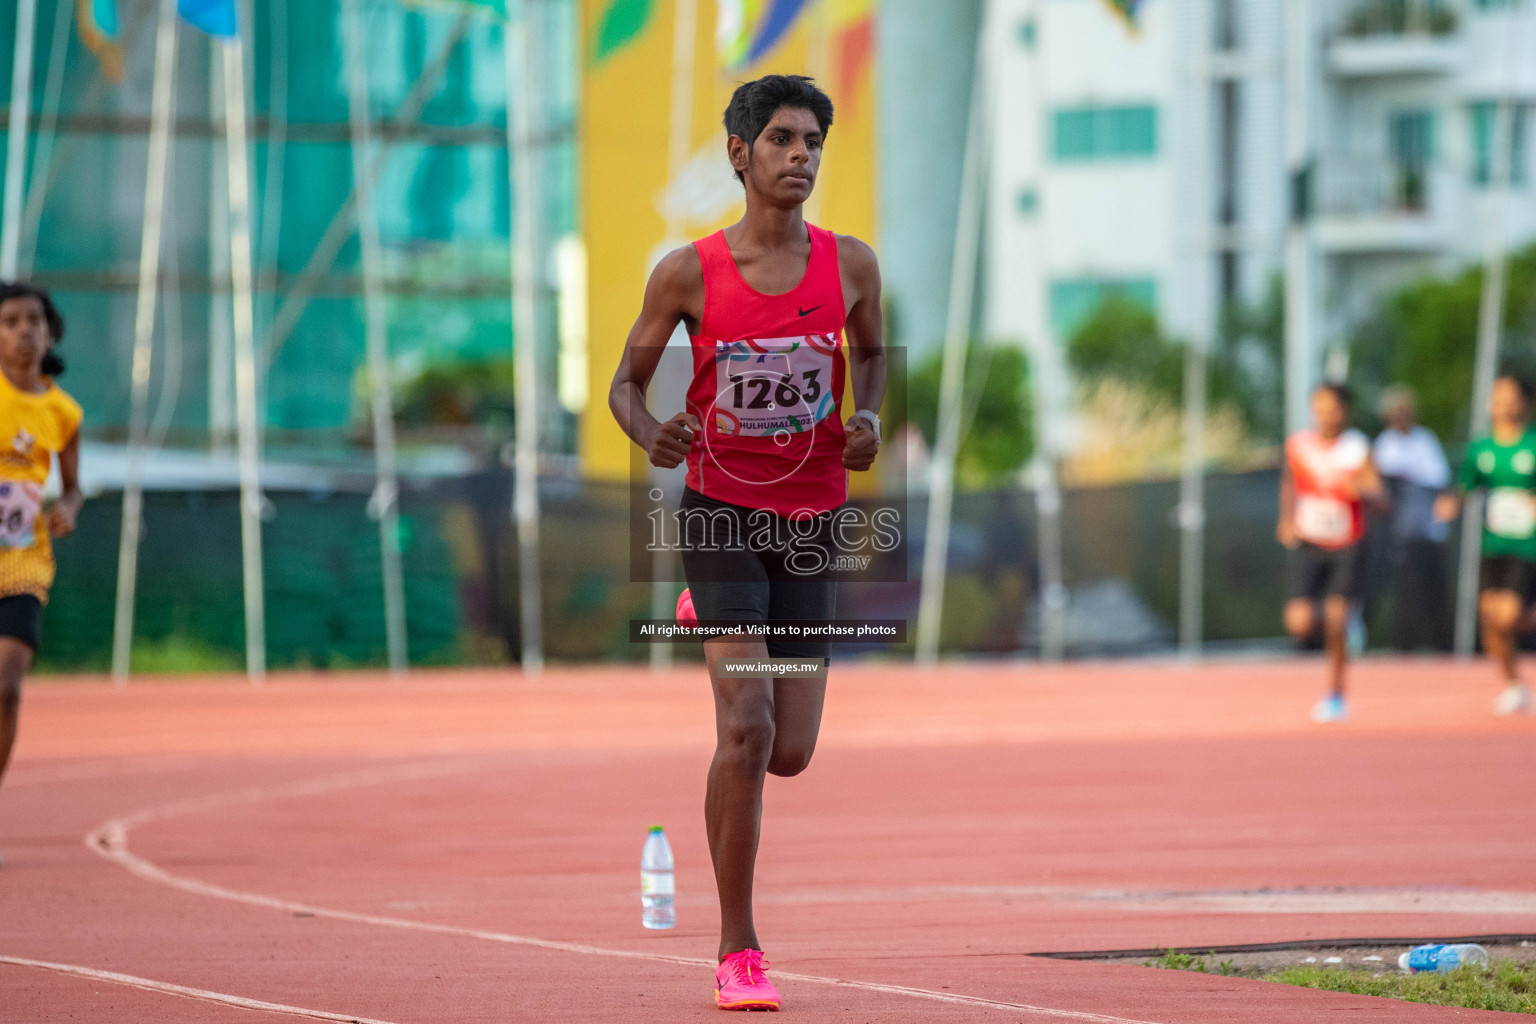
x=1508, y=572
x=1313, y=573
x=754, y=566
x=21, y=617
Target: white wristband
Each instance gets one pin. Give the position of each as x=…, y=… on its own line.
x=873, y=420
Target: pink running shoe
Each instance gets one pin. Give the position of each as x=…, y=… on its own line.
x=741, y=984
x=686, y=616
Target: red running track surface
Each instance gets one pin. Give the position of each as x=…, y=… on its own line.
x=463, y=846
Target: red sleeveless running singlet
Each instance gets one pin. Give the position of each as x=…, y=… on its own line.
x=768, y=374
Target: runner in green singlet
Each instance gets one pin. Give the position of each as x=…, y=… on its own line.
x=1504, y=465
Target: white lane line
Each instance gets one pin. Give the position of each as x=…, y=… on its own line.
x=1340, y=900
x=166, y=988
x=110, y=841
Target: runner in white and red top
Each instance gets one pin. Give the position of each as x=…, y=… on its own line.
x=778, y=312
x=1327, y=479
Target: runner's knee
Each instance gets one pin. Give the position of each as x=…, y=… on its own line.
x=1499, y=610
x=747, y=732
x=1300, y=619
x=790, y=760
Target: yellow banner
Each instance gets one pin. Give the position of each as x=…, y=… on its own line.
x=655, y=173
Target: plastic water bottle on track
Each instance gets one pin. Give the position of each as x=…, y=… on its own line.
x=1442, y=958
x=656, y=883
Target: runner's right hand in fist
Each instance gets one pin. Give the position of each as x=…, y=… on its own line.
x=670, y=442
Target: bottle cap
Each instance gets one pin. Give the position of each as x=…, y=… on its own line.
x=655, y=829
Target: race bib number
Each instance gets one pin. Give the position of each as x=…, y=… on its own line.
x=1323, y=520
x=20, y=501
x=1511, y=512
x=773, y=387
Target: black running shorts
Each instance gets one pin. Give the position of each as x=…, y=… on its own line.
x=753, y=566
x=1314, y=573
x=1508, y=572
x=21, y=617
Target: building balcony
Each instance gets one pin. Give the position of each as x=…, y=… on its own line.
x=1395, y=37
x=1376, y=206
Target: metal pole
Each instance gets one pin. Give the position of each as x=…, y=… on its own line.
x=16, y=140
x=386, y=493
x=679, y=147
x=1490, y=316
x=221, y=356
x=245, y=358
x=525, y=263
x=1049, y=390
x=340, y=228
x=1052, y=563
x=47, y=131
x=1299, y=343
x=1191, y=513
x=957, y=333
x=162, y=111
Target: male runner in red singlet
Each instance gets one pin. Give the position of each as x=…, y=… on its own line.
x=1327, y=478
x=767, y=303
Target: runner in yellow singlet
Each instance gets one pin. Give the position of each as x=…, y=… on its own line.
x=37, y=421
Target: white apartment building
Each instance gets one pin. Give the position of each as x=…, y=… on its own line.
x=1156, y=155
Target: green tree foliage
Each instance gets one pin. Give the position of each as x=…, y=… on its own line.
x=1123, y=341
x=1425, y=335
x=997, y=419
x=458, y=395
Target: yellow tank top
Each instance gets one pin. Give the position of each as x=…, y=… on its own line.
x=32, y=429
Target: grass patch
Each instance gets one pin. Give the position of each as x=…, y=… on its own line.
x=1173, y=960
x=178, y=654
x=1505, y=985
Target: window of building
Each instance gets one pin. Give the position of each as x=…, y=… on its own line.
x=1027, y=33
x=1482, y=143
x=1495, y=5
x=1103, y=133
x=1412, y=135
x=1029, y=202
x=1074, y=300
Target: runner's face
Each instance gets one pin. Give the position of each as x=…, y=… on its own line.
x=1328, y=413
x=1506, y=404
x=23, y=332
x=782, y=165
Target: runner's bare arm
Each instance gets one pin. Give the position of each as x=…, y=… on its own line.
x=1371, y=487
x=865, y=332
x=1448, y=506
x=673, y=295
x=61, y=518
x=1285, y=529
x=1450, y=502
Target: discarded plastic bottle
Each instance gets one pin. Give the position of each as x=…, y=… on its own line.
x=656, y=882
x=1442, y=957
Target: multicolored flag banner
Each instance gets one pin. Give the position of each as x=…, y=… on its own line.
x=622, y=22
x=216, y=17
x=1127, y=9
x=496, y=8
x=745, y=30
x=102, y=33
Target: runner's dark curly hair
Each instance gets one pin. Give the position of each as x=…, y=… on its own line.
x=1521, y=382
x=53, y=363
x=1342, y=392
x=753, y=103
